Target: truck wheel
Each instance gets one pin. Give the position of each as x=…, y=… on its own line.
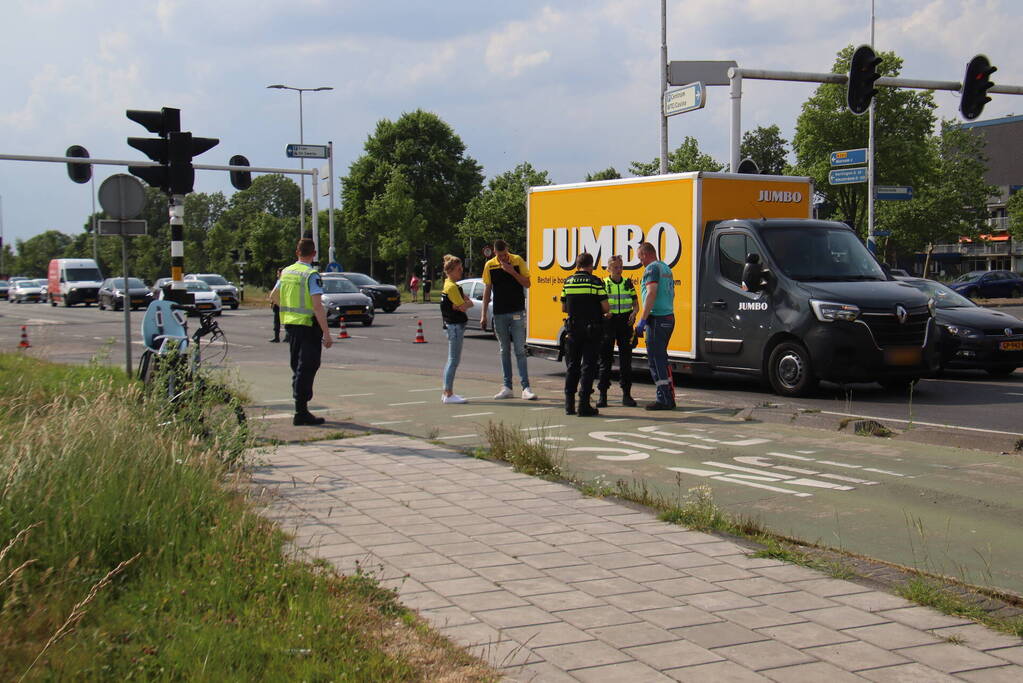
x=789, y=370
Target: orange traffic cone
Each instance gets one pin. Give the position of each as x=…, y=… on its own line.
x=24, y=339
x=420, y=339
x=342, y=333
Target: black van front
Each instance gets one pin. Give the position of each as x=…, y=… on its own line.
x=800, y=301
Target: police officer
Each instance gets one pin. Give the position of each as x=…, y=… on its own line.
x=621, y=296
x=584, y=299
x=299, y=295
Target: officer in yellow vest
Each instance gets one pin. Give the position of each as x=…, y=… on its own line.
x=299, y=295
x=621, y=296
x=584, y=300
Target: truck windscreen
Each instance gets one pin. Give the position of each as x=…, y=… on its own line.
x=82, y=275
x=821, y=254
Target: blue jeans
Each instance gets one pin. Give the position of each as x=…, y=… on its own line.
x=510, y=329
x=658, y=333
x=456, y=333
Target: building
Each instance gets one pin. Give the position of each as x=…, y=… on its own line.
x=995, y=250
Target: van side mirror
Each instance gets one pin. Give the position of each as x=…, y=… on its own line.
x=753, y=274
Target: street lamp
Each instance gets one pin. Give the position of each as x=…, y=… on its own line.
x=301, y=141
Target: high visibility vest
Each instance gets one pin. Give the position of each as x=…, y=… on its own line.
x=619, y=294
x=296, y=301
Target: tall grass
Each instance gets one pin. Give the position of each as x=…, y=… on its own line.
x=123, y=555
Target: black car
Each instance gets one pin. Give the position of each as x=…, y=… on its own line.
x=384, y=296
x=989, y=284
x=973, y=336
x=342, y=299
x=111, y=293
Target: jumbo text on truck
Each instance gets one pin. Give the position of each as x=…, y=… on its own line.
x=814, y=304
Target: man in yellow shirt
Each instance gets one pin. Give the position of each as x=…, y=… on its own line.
x=506, y=277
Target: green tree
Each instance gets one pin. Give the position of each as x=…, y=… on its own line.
x=500, y=210
x=951, y=198
x=417, y=159
x=685, y=158
x=609, y=173
x=904, y=120
x=766, y=147
x=34, y=254
x=1014, y=209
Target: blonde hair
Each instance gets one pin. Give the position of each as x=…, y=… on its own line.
x=450, y=262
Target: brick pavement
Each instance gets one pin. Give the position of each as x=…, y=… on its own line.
x=549, y=585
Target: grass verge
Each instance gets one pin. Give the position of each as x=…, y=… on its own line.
x=126, y=553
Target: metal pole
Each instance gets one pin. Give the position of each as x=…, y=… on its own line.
x=664, y=86
x=316, y=212
x=301, y=163
x=95, y=237
x=871, y=239
x=332, y=253
x=735, y=82
x=127, y=302
x=2, y=271
x=176, y=209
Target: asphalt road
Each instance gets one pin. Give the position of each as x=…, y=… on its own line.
x=965, y=399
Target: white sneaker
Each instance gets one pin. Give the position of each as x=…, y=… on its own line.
x=505, y=392
x=453, y=398
x=528, y=395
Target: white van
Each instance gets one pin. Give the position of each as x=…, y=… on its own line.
x=74, y=281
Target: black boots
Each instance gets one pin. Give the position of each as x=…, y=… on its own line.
x=303, y=418
x=585, y=409
x=569, y=404
x=627, y=399
x=602, y=399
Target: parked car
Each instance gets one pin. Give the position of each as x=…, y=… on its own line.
x=205, y=298
x=383, y=296
x=342, y=299
x=111, y=294
x=25, y=291
x=989, y=284
x=226, y=290
x=973, y=336
x=4, y=287
x=44, y=294
x=473, y=289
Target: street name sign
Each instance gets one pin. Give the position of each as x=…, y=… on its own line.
x=122, y=227
x=846, y=176
x=849, y=157
x=686, y=98
x=307, y=151
x=893, y=193
x=707, y=72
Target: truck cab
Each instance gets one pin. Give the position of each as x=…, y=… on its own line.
x=797, y=301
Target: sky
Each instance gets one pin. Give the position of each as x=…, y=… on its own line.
x=571, y=86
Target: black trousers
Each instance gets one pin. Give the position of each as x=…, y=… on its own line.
x=306, y=345
x=583, y=349
x=277, y=321
x=617, y=330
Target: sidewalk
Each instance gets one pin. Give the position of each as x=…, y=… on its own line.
x=549, y=585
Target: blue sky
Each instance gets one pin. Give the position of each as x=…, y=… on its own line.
x=570, y=86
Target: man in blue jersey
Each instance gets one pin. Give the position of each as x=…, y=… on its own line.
x=658, y=322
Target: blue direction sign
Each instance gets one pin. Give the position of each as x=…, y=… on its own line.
x=307, y=151
x=893, y=193
x=686, y=98
x=849, y=157
x=845, y=176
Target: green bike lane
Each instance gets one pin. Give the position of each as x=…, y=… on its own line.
x=947, y=510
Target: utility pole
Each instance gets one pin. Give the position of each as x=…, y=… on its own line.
x=871, y=239
x=664, y=86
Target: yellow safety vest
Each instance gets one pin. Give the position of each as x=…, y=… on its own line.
x=619, y=294
x=296, y=301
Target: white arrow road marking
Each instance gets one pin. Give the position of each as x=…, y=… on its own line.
x=777, y=477
x=776, y=489
x=757, y=460
x=791, y=457
x=851, y=480
x=473, y=414
x=629, y=454
x=840, y=464
x=874, y=469
x=406, y=403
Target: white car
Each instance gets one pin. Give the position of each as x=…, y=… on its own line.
x=473, y=290
x=205, y=298
x=226, y=290
x=23, y=291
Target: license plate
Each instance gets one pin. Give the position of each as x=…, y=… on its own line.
x=392, y=298
x=1011, y=346
x=353, y=312
x=903, y=356
x=204, y=306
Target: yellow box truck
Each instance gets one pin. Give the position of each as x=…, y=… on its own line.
x=760, y=287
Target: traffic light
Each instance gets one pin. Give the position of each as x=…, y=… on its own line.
x=173, y=150
x=80, y=173
x=248, y=254
x=862, y=74
x=234, y=255
x=241, y=180
x=975, y=87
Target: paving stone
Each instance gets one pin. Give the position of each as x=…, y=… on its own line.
x=923, y=617
x=906, y=673
x=754, y=587
x=673, y=654
x=799, y=601
x=1010, y=654
x=488, y=559
x=827, y=588
x=580, y=572
x=535, y=586
x=873, y=601
x=719, y=572
x=1001, y=674
x=950, y=658
x=977, y=636
x=682, y=586
x=842, y=617
x=531, y=547
x=719, y=634
x=678, y=616
x=440, y=617
x=542, y=635
x=689, y=559
x=539, y=672
x=594, y=617
x=573, y=599
x=718, y=548
x=632, y=635
x=466, y=586
x=764, y=655
x=856, y=655
x=399, y=549
x=510, y=617
x=618, y=560
x=787, y=573
x=722, y=600
x=504, y=654
x=508, y=572
x=760, y=617
x=633, y=672
x=437, y=572
x=715, y=672
x=475, y=602
x=580, y=655
x=813, y=672
x=648, y=572
x=464, y=548
x=551, y=560
x=806, y=634
x=655, y=548
x=605, y=587
x=638, y=602
x=892, y=636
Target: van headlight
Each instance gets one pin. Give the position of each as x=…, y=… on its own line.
x=828, y=311
x=962, y=332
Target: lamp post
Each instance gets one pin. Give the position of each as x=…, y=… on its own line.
x=301, y=141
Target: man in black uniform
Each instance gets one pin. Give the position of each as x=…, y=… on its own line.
x=584, y=299
x=621, y=295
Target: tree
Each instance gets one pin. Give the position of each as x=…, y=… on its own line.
x=34, y=254
x=766, y=147
x=414, y=168
x=1014, y=209
x=951, y=200
x=687, y=157
x=904, y=120
x=609, y=173
x=500, y=210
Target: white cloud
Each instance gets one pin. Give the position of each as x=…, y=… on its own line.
x=519, y=46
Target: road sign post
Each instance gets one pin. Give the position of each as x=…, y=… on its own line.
x=893, y=193
x=847, y=176
x=686, y=98
x=849, y=157
x=298, y=151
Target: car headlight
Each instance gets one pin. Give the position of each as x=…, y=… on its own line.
x=963, y=332
x=74, y=289
x=828, y=312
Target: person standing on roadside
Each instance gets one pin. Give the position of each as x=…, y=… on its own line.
x=658, y=321
x=506, y=278
x=413, y=286
x=453, y=306
x=299, y=293
x=621, y=297
x=276, y=310
x=584, y=299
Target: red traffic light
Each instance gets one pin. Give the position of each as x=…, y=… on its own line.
x=975, y=87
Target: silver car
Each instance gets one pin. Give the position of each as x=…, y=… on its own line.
x=24, y=291
x=473, y=289
x=205, y=298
